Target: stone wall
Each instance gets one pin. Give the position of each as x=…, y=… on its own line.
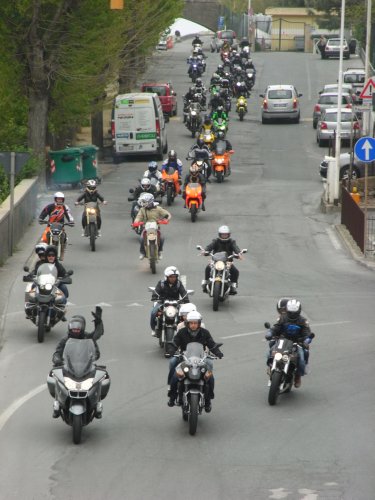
x=204, y=12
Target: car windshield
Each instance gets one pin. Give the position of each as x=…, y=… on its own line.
x=79, y=356
x=335, y=43
x=331, y=99
x=280, y=94
x=345, y=117
x=354, y=78
x=160, y=90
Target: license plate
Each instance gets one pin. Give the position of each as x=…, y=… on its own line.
x=128, y=147
x=279, y=105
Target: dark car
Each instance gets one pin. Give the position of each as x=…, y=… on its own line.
x=358, y=169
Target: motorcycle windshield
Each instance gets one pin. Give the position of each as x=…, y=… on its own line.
x=194, y=350
x=220, y=256
x=220, y=147
x=171, y=170
x=56, y=227
x=194, y=106
x=79, y=356
x=46, y=274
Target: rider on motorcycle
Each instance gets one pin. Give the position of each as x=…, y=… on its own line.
x=144, y=186
x=91, y=195
x=76, y=330
x=183, y=312
x=244, y=42
x=151, y=212
x=200, y=151
x=56, y=212
x=154, y=175
x=192, y=332
x=196, y=41
x=170, y=288
x=188, y=97
x=220, y=137
x=206, y=125
x=195, y=177
x=176, y=164
x=293, y=326
x=219, y=113
x=220, y=70
x=223, y=243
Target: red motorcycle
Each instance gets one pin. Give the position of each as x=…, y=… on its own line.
x=193, y=199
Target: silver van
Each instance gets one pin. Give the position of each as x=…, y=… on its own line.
x=138, y=126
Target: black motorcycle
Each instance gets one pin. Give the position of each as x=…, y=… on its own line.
x=167, y=321
x=193, y=374
x=45, y=303
x=193, y=118
x=219, y=284
x=79, y=385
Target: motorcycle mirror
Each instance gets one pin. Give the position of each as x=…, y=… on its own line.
x=70, y=272
x=199, y=247
x=300, y=95
x=312, y=335
x=131, y=190
x=219, y=345
x=190, y=292
x=231, y=151
x=267, y=325
x=151, y=288
x=261, y=95
x=130, y=199
x=244, y=250
x=26, y=269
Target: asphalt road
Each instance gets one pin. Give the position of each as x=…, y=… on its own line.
x=317, y=443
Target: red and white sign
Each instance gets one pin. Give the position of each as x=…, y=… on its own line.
x=368, y=89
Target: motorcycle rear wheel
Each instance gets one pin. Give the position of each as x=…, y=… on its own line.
x=92, y=232
x=274, y=388
x=77, y=428
x=216, y=296
x=41, y=325
x=193, y=415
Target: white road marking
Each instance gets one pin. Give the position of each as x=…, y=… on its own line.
x=134, y=304
x=6, y=414
x=314, y=325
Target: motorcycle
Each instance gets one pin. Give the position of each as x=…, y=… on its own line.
x=219, y=284
x=167, y=321
x=208, y=137
x=195, y=71
x=56, y=236
x=193, y=374
x=194, y=119
x=91, y=230
x=193, y=200
x=241, y=107
x=220, y=125
x=170, y=184
x=79, y=385
x=135, y=211
x=45, y=303
x=221, y=161
x=151, y=240
x=250, y=79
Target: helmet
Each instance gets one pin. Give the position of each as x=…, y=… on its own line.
x=146, y=200
x=198, y=82
x=224, y=231
x=220, y=67
x=51, y=250
x=281, y=305
x=293, y=309
x=76, y=326
x=41, y=248
x=172, y=155
x=145, y=183
x=200, y=142
x=171, y=271
x=152, y=166
x=220, y=134
x=207, y=120
x=59, y=195
x=220, y=109
x=91, y=186
x=187, y=308
x=193, y=316
x=194, y=169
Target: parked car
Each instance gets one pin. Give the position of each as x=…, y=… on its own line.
x=167, y=96
x=329, y=100
x=332, y=49
x=358, y=168
x=356, y=77
x=327, y=126
x=347, y=88
x=218, y=39
x=280, y=102
x=162, y=45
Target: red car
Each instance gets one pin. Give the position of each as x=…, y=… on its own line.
x=166, y=95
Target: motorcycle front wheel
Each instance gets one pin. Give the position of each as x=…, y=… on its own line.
x=241, y=115
x=274, y=388
x=153, y=257
x=169, y=196
x=193, y=213
x=92, y=231
x=193, y=415
x=216, y=296
x=219, y=177
x=77, y=428
x=41, y=325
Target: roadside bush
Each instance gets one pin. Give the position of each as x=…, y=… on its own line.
x=4, y=184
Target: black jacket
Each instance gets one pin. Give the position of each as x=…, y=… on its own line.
x=90, y=197
x=57, y=357
x=164, y=290
x=199, y=178
x=230, y=246
x=298, y=334
x=228, y=145
x=183, y=338
x=139, y=190
x=61, y=271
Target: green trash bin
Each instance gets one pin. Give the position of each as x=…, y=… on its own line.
x=66, y=166
x=90, y=167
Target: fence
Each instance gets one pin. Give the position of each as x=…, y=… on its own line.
x=353, y=218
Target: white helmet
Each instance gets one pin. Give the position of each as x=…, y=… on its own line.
x=41, y=248
x=171, y=271
x=194, y=316
x=224, y=230
x=146, y=200
x=59, y=194
x=91, y=185
x=293, y=309
x=146, y=183
x=187, y=308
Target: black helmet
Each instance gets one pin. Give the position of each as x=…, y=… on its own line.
x=76, y=326
x=220, y=134
x=281, y=305
x=172, y=155
x=207, y=119
x=198, y=82
x=293, y=309
x=200, y=142
x=51, y=250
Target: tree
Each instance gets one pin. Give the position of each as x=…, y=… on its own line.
x=61, y=54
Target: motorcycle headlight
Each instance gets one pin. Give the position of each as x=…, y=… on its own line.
x=219, y=265
x=219, y=161
x=278, y=356
x=72, y=385
x=91, y=211
x=193, y=113
x=170, y=312
x=48, y=287
x=186, y=369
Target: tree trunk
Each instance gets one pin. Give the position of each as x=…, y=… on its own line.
x=38, y=117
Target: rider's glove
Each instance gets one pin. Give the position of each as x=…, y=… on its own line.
x=97, y=315
x=218, y=353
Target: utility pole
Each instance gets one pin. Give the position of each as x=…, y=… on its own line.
x=367, y=116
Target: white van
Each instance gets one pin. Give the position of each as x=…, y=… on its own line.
x=138, y=126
